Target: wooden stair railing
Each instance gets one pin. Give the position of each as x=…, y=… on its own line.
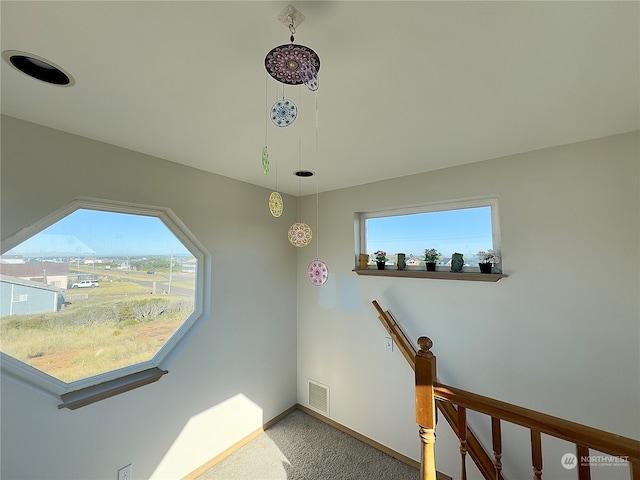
x=453, y=403
x=474, y=448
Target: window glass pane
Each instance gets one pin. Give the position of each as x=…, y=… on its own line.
x=94, y=292
x=465, y=231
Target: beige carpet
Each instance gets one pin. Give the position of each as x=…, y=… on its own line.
x=300, y=447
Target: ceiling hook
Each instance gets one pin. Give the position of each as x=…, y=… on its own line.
x=292, y=27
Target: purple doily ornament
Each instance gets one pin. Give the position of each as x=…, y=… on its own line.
x=285, y=63
x=318, y=272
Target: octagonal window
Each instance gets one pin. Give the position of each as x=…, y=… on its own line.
x=98, y=291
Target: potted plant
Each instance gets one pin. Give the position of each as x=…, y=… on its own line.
x=487, y=259
x=381, y=259
x=431, y=256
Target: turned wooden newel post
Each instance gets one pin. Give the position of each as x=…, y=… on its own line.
x=426, y=407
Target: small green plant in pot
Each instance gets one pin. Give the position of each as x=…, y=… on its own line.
x=431, y=257
x=381, y=259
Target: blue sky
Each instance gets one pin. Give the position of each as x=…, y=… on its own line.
x=465, y=231
x=89, y=232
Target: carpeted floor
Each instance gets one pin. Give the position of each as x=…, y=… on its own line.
x=300, y=447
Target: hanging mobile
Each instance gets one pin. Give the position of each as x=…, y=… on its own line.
x=275, y=204
x=300, y=234
x=318, y=272
x=293, y=64
x=283, y=112
x=265, y=160
x=275, y=199
x=309, y=76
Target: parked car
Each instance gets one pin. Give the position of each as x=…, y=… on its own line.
x=86, y=284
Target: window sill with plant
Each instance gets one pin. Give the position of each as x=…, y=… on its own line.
x=485, y=272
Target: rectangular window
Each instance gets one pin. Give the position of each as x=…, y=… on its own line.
x=20, y=298
x=465, y=227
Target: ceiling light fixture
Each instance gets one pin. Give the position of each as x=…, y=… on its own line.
x=38, y=68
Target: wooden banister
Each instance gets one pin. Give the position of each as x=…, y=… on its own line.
x=425, y=369
x=474, y=448
x=453, y=403
x=397, y=335
x=589, y=437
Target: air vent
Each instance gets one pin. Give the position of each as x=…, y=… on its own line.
x=319, y=397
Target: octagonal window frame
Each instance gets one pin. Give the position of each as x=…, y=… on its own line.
x=91, y=389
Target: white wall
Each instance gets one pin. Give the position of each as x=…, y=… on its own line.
x=234, y=374
x=560, y=334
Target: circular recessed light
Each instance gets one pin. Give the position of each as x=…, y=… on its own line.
x=38, y=67
x=303, y=173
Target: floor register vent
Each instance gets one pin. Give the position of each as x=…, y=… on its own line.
x=319, y=397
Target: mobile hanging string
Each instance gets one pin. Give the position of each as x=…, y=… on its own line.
x=317, y=207
x=265, y=149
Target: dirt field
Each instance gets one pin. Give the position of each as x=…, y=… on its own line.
x=65, y=365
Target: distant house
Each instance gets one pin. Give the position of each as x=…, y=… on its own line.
x=47, y=273
x=190, y=266
x=23, y=297
x=124, y=266
x=11, y=259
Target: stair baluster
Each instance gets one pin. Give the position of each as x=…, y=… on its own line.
x=584, y=469
x=462, y=435
x=425, y=363
x=536, y=454
x=496, y=437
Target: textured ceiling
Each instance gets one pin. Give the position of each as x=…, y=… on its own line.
x=405, y=87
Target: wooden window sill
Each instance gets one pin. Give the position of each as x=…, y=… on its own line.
x=95, y=393
x=467, y=276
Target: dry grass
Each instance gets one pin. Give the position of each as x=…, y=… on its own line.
x=116, y=325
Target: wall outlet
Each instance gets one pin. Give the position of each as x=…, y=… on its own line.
x=125, y=473
x=388, y=344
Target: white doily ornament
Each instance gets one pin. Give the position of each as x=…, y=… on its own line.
x=275, y=204
x=283, y=113
x=300, y=234
x=318, y=272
